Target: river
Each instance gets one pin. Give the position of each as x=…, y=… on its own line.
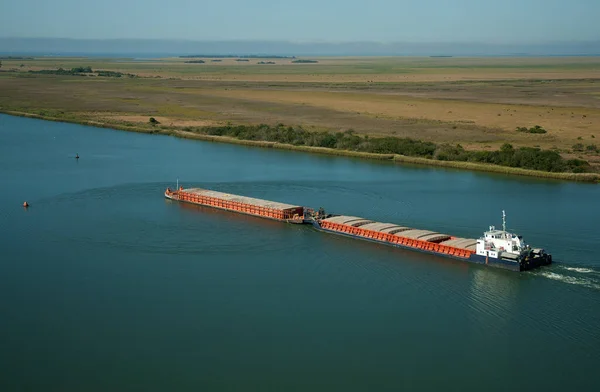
x=105, y=285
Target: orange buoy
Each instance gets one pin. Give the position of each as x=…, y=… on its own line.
x=25, y=204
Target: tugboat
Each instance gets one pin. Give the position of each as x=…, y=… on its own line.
x=504, y=248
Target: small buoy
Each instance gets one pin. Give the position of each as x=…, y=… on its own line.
x=25, y=204
x=76, y=156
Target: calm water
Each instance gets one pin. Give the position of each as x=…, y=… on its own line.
x=105, y=285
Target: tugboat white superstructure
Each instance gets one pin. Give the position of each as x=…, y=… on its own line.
x=508, y=250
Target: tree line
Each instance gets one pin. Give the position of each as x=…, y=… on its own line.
x=507, y=155
x=81, y=71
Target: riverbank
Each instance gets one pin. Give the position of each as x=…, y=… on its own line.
x=580, y=177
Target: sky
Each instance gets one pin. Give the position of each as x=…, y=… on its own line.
x=489, y=21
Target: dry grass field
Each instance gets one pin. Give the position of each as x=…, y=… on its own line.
x=477, y=102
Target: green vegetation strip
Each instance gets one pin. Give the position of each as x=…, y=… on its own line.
x=580, y=177
x=524, y=157
x=523, y=161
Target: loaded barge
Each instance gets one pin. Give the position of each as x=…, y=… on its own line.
x=242, y=204
x=496, y=248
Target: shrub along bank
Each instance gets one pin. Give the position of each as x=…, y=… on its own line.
x=523, y=157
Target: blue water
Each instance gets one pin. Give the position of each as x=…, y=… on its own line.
x=105, y=285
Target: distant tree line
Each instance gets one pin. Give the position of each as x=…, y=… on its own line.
x=81, y=71
x=15, y=58
x=228, y=56
x=59, y=71
x=195, y=61
x=304, y=61
x=266, y=62
x=523, y=157
x=113, y=74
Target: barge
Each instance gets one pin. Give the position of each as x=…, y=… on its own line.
x=242, y=204
x=495, y=248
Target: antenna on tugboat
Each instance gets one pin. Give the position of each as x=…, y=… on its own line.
x=177, y=183
x=503, y=221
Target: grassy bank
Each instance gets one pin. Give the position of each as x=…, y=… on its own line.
x=416, y=147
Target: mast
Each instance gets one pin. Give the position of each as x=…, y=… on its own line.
x=177, y=183
x=503, y=221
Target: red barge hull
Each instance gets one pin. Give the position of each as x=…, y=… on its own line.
x=241, y=204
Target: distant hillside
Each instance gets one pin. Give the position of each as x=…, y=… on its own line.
x=158, y=48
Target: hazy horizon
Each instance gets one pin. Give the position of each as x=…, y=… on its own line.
x=312, y=28
x=165, y=47
x=510, y=22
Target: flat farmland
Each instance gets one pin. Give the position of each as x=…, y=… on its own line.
x=475, y=102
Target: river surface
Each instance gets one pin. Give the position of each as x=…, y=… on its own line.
x=105, y=285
